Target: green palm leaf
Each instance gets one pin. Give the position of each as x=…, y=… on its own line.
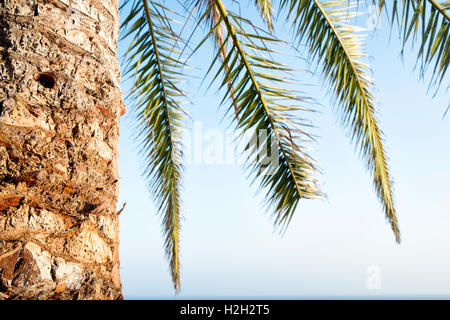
x=266, y=11
x=158, y=111
x=213, y=20
x=258, y=85
x=323, y=25
x=430, y=21
x=264, y=103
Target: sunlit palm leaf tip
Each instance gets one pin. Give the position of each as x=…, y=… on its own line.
x=266, y=11
x=260, y=92
x=159, y=116
x=323, y=26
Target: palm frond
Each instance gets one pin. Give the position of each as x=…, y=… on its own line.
x=428, y=20
x=266, y=11
x=323, y=25
x=212, y=18
x=156, y=97
x=264, y=103
x=211, y=15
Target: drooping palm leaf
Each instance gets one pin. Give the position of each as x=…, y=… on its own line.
x=211, y=15
x=264, y=103
x=156, y=99
x=266, y=11
x=323, y=25
x=256, y=84
x=430, y=21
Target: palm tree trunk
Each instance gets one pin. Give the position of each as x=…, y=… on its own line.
x=60, y=105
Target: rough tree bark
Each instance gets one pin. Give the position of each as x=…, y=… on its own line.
x=60, y=105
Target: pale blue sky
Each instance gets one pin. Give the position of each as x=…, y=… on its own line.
x=229, y=247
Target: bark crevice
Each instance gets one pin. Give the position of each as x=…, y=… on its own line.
x=60, y=105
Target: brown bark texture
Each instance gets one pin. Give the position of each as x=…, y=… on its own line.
x=60, y=105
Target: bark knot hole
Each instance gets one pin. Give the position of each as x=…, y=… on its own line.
x=47, y=80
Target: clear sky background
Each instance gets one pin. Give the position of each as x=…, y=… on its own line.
x=333, y=247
